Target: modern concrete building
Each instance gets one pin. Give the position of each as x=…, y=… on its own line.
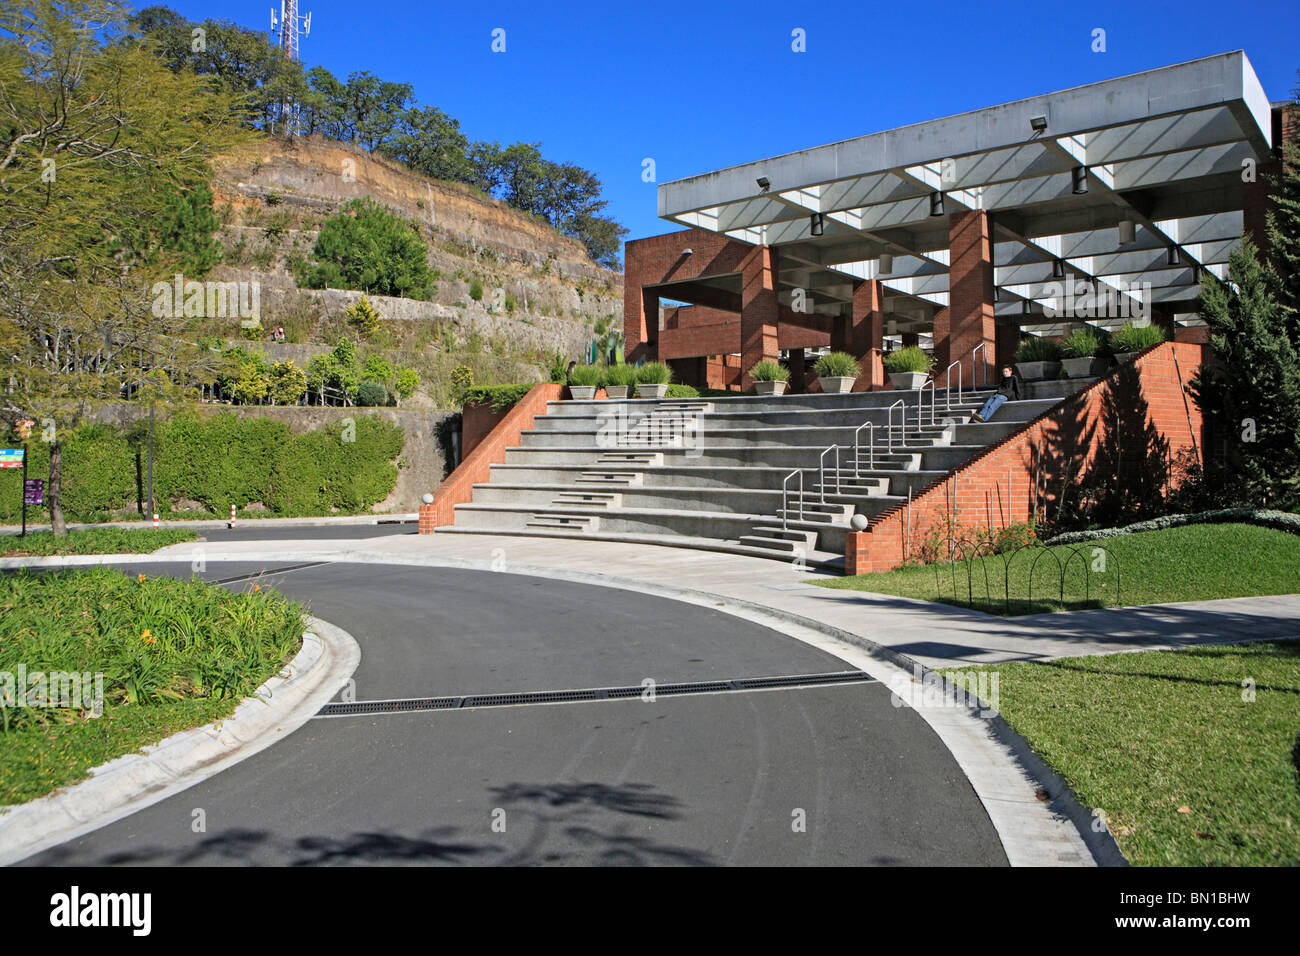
x=1092, y=205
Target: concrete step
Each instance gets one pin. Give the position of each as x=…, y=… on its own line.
x=625, y=479
x=582, y=523
x=769, y=543
x=646, y=458
x=590, y=498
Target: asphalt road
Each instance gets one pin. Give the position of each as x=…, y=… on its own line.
x=711, y=779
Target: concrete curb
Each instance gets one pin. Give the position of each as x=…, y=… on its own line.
x=1007, y=777
x=244, y=521
x=328, y=657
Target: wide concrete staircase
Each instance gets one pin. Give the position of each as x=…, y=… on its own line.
x=768, y=476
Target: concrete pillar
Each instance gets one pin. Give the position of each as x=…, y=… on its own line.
x=798, y=364
x=866, y=338
x=759, y=310
x=968, y=320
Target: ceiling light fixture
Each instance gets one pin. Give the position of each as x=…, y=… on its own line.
x=1038, y=123
x=1127, y=231
x=1079, y=180
x=936, y=204
x=763, y=183
x=818, y=221
x=1058, y=268
x=886, y=263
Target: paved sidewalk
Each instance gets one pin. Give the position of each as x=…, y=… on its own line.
x=933, y=634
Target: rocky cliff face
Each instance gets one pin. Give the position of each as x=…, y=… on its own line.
x=540, y=292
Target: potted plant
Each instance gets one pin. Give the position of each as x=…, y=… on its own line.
x=583, y=382
x=652, y=380
x=1038, y=358
x=1079, y=353
x=618, y=379
x=1131, y=339
x=770, y=378
x=908, y=367
x=837, y=371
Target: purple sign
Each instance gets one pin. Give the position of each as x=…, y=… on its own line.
x=34, y=491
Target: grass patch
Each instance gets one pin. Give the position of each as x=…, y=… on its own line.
x=1190, y=563
x=93, y=541
x=172, y=654
x=1187, y=771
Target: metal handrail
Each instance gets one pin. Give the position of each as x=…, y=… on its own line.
x=983, y=346
x=947, y=382
x=857, y=448
x=920, y=403
x=785, y=503
x=902, y=412
x=821, y=464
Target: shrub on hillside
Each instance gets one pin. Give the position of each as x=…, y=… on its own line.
x=370, y=394
x=364, y=317
x=365, y=246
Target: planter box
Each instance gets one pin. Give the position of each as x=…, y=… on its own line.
x=582, y=393
x=616, y=391
x=907, y=381
x=838, y=383
x=1122, y=358
x=1083, y=367
x=1030, y=371
x=651, y=391
x=770, y=388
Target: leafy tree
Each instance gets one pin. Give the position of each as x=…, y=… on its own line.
x=287, y=383
x=364, y=317
x=365, y=246
x=405, y=382
x=431, y=143
x=376, y=368
x=337, y=369
x=91, y=144
x=188, y=230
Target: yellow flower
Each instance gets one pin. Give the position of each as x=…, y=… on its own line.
x=139, y=577
x=147, y=637
x=257, y=587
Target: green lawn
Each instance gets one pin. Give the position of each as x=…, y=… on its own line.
x=172, y=654
x=1191, y=563
x=1187, y=771
x=93, y=541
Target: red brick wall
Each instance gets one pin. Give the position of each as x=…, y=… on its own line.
x=458, y=487
x=968, y=320
x=998, y=487
x=477, y=419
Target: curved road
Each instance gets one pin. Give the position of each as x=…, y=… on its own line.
x=709, y=779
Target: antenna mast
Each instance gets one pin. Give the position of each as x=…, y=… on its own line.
x=291, y=27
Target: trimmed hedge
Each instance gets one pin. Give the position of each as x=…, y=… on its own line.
x=217, y=461
x=1279, y=520
x=500, y=397
x=682, y=391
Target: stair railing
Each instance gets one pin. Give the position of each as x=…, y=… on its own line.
x=902, y=417
x=920, y=403
x=982, y=347
x=821, y=465
x=947, y=382
x=785, y=501
x=857, y=448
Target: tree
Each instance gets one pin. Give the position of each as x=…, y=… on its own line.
x=431, y=143
x=365, y=246
x=287, y=383
x=92, y=143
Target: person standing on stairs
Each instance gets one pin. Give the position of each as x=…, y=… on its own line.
x=1009, y=386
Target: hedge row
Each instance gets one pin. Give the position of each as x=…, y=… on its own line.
x=217, y=461
x=1281, y=520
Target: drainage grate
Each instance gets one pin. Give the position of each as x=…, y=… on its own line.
x=267, y=572
x=412, y=704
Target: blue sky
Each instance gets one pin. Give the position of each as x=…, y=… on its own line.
x=702, y=85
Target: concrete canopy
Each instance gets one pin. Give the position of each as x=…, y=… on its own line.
x=1166, y=150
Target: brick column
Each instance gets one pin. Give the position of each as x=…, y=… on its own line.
x=866, y=334
x=911, y=338
x=968, y=320
x=759, y=310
